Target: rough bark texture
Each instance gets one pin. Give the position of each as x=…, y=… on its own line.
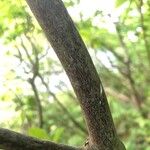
x=72, y=52
x=10, y=140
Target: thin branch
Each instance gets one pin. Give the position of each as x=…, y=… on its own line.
x=128, y=73
x=118, y=56
x=38, y=102
x=26, y=51
x=120, y=37
x=34, y=47
x=10, y=140
x=146, y=42
x=117, y=95
x=20, y=57
x=78, y=125
x=36, y=73
x=21, y=104
x=46, y=53
x=35, y=69
x=35, y=63
x=137, y=96
x=127, y=11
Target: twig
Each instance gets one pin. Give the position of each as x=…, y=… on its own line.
x=128, y=72
x=38, y=102
x=146, y=42
x=26, y=51
x=127, y=11
x=63, y=107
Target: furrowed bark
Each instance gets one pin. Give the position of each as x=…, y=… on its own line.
x=72, y=52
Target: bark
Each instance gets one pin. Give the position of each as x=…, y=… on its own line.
x=72, y=52
x=10, y=140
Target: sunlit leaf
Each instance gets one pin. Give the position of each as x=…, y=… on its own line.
x=38, y=132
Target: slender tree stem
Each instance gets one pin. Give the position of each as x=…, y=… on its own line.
x=72, y=52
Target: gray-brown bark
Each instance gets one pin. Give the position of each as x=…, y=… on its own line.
x=10, y=140
x=71, y=51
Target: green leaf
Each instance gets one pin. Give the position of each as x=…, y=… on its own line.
x=119, y=2
x=38, y=133
x=57, y=134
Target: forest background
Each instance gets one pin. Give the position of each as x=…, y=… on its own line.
x=117, y=35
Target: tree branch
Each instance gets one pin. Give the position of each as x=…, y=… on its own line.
x=10, y=140
x=71, y=51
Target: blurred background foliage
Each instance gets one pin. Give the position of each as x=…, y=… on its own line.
x=36, y=97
